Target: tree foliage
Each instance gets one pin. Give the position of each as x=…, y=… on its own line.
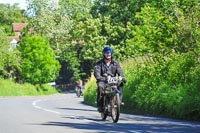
x=78, y=30
x=167, y=27
x=39, y=62
x=130, y=27
x=118, y=20
x=76, y=9
x=50, y=21
x=10, y=59
x=10, y=14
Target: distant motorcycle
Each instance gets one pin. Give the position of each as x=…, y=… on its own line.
x=111, y=100
x=79, y=90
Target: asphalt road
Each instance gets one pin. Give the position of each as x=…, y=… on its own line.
x=66, y=113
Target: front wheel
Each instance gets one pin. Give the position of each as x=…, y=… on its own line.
x=115, y=108
x=104, y=114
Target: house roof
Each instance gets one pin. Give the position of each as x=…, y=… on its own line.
x=17, y=27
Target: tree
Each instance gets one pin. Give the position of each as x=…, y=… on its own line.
x=91, y=49
x=117, y=21
x=187, y=15
x=39, y=61
x=10, y=14
x=55, y=22
x=166, y=27
x=85, y=37
x=10, y=66
x=76, y=9
x=50, y=21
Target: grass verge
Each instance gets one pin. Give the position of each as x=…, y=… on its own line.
x=10, y=88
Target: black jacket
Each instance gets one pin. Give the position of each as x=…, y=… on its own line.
x=101, y=68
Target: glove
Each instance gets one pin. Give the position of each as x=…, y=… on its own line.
x=124, y=80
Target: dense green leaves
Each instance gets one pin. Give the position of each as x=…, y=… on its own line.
x=10, y=59
x=80, y=29
x=155, y=34
x=118, y=19
x=10, y=14
x=39, y=62
x=50, y=22
x=165, y=27
x=167, y=87
x=77, y=9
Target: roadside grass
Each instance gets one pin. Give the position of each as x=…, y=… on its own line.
x=10, y=88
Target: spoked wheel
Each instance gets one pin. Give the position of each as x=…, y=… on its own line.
x=115, y=108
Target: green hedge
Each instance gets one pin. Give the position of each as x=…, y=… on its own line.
x=90, y=91
x=169, y=87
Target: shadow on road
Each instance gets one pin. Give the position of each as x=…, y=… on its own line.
x=126, y=124
x=86, y=106
x=79, y=109
x=74, y=118
x=102, y=127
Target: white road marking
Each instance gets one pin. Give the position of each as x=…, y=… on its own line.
x=34, y=103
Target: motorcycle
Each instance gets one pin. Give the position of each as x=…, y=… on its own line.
x=111, y=99
x=79, y=90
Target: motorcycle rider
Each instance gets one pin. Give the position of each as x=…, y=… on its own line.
x=79, y=85
x=108, y=66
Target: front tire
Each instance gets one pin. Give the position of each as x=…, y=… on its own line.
x=104, y=114
x=115, y=108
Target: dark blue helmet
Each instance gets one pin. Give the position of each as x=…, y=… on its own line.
x=107, y=49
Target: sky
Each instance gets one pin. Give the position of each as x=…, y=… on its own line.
x=22, y=3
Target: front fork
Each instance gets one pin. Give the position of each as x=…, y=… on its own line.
x=107, y=102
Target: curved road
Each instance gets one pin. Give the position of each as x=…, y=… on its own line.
x=66, y=113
